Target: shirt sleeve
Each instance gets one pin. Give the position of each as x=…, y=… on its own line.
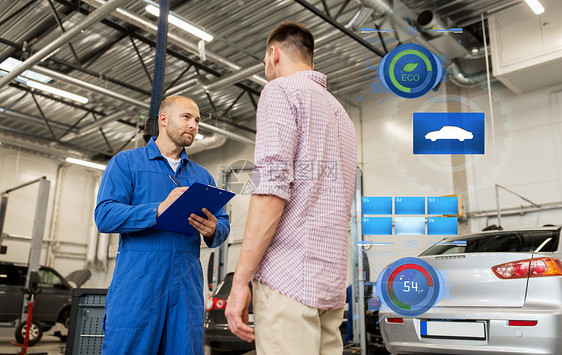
x=222, y=229
x=276, y=142
x=114, y=212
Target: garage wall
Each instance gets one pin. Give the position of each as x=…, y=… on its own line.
x=528, y=156
x=68, y=220
x=527, y=159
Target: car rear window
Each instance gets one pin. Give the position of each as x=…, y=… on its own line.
x=500, y=242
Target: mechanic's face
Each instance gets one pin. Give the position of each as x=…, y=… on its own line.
x=183, y=122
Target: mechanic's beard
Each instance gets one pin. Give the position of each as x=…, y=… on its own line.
x=180, y=140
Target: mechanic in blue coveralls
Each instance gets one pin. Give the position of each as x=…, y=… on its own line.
x=155, y=301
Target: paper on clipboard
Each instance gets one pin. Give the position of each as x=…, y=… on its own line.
x=197, y=196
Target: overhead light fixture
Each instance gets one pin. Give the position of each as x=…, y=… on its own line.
x=10, y=64
x=536, y=6
x=89, y=164
x=36, y=80
x=59, y=92
x=176, y=21
x=199, y=136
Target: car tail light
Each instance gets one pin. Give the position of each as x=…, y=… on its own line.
x=523, y=323
x=215, y=303
x=529, y=268
x=395, y=320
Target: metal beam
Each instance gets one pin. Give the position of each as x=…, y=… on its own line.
x=339, y=26
x=54, y=98
x=179, y=41
x=33, y=119
x=43, y=116
x=81, y=68
x=59, y=23
x=173, y=53
x=94, y=17
x=140, y=58
x=91, y=87
x=234, y=77
x=91, y=57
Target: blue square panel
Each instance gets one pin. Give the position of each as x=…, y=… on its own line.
x=376, y=225
x=376, y=205
x=409, y=225
x=442, y=226
x=449, y=133
x=443, y=205
x=409, y=205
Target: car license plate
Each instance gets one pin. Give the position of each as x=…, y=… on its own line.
x=455, y=330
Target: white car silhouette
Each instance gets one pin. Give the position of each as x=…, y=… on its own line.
x=449, y=132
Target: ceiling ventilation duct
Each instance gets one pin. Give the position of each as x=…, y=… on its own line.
x=209, y=142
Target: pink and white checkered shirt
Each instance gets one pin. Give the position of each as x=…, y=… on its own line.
x=306, y=154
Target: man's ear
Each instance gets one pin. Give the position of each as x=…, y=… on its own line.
x=162, y=119
x=275, y=54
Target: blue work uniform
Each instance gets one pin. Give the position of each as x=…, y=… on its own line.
x=155, y=301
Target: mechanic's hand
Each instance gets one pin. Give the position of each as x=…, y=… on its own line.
x=237, y=312
x=170, y=199
x=205, y=226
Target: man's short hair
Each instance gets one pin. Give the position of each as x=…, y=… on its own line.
x=295, y=38
x=168, y=102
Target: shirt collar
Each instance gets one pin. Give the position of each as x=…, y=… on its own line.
x=154, y=152
x=315, y=76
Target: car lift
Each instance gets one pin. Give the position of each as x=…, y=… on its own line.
x=39, y=221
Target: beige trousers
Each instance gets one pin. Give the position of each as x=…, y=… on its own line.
x=284, y=326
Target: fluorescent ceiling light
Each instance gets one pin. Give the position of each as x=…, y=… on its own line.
x=176, y=21
x=86, y=163
x=59, y=92
x=10, y=64
x=536, y=6
x=199, y=136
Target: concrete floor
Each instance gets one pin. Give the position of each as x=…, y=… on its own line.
x=49, y=344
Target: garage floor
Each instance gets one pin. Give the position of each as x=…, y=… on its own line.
x=49, y=344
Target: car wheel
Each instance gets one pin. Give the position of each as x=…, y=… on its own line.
x=35, y=333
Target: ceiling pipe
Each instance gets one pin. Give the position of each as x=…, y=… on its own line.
x=49, y=49
x=212, y=142
x=91, y=87
x=33, y=119
x=381, y=7
x=339, y=26
x=140, y=104
x=150, y=27
x=233, y=78
x=460, y=78
x=93, y=126
x=176, y=90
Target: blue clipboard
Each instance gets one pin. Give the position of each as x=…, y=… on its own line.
x=174, y=218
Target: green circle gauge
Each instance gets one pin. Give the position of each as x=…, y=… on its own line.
x=410, y=70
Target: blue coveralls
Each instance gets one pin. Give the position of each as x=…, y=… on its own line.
x=155, y=301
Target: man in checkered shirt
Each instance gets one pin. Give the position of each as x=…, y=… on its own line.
x=296, y=240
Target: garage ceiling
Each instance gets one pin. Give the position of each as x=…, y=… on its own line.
x=118, y=56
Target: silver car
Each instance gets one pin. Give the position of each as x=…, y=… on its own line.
x=503, y=295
